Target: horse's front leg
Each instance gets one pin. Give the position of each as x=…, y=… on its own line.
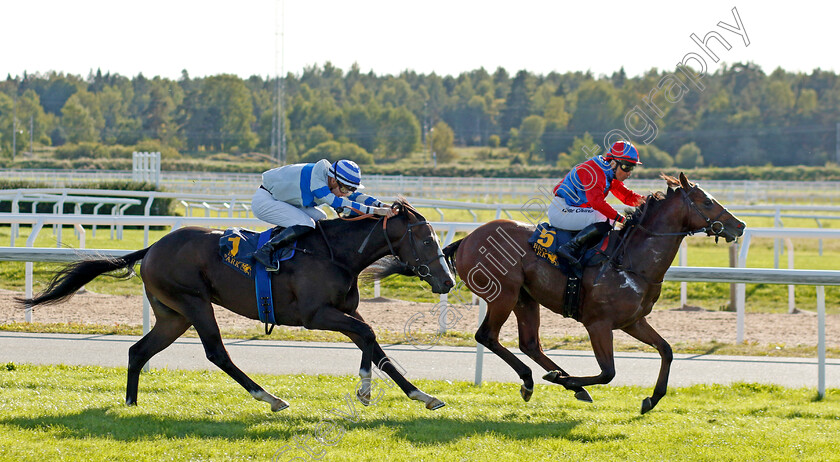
x=386, y=365
x=601, y=338
x=643, y=332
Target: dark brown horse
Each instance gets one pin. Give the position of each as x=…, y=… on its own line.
x=495, y=261
x=183, y=274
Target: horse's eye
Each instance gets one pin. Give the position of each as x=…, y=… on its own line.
x=707, y=202
x=427, y=242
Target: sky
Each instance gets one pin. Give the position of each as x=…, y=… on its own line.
x=265, y=37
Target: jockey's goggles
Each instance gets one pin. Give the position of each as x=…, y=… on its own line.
x=626, y=166
x=345, y=189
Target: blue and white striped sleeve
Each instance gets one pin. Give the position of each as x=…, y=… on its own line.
x=365, y=199
x=324, y=196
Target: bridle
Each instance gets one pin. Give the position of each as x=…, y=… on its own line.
x=420, y=268
x=714, y=227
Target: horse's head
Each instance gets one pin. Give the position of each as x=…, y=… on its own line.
x=417, y=246
x=706, y=213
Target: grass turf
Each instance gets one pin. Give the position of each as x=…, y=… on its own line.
x=73, y=413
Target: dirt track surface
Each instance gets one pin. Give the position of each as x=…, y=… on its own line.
x=393, y=315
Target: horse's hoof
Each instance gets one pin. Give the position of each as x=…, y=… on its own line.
x=279, y=405
x=363, y=398
x=526, y=393
x=435, y=404
x=583, y=395
x=647, y=405
x=552, y=376
x=130, y=402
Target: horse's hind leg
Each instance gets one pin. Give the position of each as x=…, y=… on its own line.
x=385, y=364
x=643, y=332
x=527, y=312
x=601, y=338
x=169, y=325
x=487, y=334
x=200, y=313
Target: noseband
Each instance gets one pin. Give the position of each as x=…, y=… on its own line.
x=713, y=225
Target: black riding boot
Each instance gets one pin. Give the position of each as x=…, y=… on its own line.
x=282, y=239
x=573, y=250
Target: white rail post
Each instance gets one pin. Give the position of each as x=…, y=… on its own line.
x=791, y=292
x=479, y=349
x=683, y=285
x=821, y=341
x=30, y=242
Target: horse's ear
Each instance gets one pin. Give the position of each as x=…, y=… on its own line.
x=684, y=181
x=398, y=207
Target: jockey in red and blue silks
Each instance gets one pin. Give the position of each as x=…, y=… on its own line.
x=580, y=198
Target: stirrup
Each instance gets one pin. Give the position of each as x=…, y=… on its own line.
x=270, y=268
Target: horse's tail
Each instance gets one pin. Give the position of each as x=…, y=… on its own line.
x=449, y=254
x=74, y=276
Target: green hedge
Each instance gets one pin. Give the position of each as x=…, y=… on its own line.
x=796, y=173
x=830, y=172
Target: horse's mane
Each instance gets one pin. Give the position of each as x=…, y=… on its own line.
x=405, y=207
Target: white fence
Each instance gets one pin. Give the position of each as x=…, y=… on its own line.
x=676, y=273
x=145, y=167
x=484, y=189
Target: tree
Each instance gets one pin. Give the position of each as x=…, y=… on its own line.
x=582, y=149
x=598, y=108
x=689, y=156
x=529, y=135
x=399, y=132
x=333, y=150
x=360, y=125
x=653, y=157
x=555, y=139
x=223, y=115
x=517, y=104
x=77, y=121
x=442, y=139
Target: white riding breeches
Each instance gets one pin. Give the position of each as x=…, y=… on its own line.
x=564, y=216
x=279, y=213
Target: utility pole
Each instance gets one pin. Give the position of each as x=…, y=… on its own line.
x=278, y=129
x=14, y=125
x=837, y=143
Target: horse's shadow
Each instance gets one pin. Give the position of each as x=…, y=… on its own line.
x=435, y=431
x=102, y=422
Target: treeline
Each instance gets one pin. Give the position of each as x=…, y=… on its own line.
x=738, y=116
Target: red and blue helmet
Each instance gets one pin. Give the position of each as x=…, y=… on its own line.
x=623, y=151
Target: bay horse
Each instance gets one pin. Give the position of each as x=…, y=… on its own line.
x=183, y=273
x=511, y=278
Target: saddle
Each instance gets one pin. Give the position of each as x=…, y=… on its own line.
x=237, y=245
x=545, y=241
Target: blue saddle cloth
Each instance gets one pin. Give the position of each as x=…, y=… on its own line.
x=237, y=247
x=546, y=239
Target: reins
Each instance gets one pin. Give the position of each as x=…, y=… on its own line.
x=713, y=225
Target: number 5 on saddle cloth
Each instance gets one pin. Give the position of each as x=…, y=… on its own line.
x=236, y=247
x=545, y=241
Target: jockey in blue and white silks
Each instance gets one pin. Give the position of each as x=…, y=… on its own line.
x=289, y=197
